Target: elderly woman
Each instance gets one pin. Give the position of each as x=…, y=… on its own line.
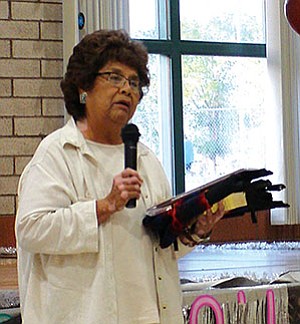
x=82, y=256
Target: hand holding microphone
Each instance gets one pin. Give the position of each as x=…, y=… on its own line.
x=125, y=188
x=126, y=185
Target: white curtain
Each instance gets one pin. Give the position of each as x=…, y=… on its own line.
x=104, y=14
x=283, y=52
x=99, y=14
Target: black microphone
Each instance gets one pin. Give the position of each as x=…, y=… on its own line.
x=130, y=136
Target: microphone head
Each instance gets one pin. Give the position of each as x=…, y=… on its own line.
x=130, y=133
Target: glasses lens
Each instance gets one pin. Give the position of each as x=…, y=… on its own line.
x=135, y=85
x=116, y=79
x=119, y=80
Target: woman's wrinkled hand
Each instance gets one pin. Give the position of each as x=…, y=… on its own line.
x=202, y=228
x=126, y=185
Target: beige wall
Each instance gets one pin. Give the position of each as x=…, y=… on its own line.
x=31, y=105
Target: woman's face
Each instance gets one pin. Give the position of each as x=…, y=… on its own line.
x=113, y=99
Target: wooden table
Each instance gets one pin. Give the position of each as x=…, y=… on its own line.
x=8, y=273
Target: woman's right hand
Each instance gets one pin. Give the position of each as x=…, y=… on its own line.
x=126, y=185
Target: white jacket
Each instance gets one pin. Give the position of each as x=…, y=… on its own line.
x=64, y=258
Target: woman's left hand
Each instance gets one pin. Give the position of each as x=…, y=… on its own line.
x=203, y=226
x=208, y=220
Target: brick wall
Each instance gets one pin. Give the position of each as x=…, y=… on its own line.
x=31, y=105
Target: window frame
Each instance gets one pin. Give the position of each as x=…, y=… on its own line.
x=174, y=48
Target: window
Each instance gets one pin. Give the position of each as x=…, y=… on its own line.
x=220, y=98
x=225, y=111
x=216, y=57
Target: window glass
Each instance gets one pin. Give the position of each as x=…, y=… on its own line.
x=224, y=110
x=223, y=21
x=153, y=113
x=147, y=19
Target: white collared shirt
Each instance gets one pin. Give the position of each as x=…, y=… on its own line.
x=65, y=260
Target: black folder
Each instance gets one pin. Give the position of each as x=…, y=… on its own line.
x=241, y=191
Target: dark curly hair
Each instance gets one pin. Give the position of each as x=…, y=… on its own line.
x=93, y=52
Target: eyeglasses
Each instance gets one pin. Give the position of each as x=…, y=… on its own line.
x=119, y=80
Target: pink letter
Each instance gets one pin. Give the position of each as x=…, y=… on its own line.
x=271, y=314
x=241, y=297
x=206, y=300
